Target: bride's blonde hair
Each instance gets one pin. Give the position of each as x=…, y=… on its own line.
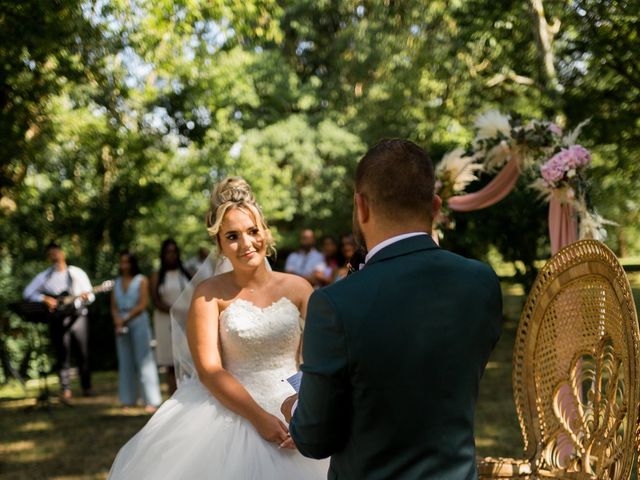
x=235, y=192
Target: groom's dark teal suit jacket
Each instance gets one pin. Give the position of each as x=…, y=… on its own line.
x=393, y=356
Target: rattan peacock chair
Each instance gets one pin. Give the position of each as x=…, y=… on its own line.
x=576, y=368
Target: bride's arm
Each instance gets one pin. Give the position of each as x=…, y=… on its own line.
x=303, y=291
x=202, y=335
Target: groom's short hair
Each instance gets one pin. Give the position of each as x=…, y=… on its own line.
x=397, y=177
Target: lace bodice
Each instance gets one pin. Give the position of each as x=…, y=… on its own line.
x=259, y=347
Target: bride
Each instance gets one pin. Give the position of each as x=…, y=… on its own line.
x=239, y=340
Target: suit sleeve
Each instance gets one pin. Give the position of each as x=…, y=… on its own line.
x=320, y=424
x=494, y=307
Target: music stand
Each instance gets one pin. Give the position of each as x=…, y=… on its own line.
x=35, y=313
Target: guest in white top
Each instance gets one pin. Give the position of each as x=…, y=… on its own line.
x=45, y=287
x=307, y=260
x=166, y=286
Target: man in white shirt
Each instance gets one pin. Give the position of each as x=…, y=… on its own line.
x=307, y=260
x=45, y=287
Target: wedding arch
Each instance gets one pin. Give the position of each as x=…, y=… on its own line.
x=510, y=147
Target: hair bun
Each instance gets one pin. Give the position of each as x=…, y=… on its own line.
x=231, y=189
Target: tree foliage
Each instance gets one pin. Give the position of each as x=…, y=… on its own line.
x=116, y=116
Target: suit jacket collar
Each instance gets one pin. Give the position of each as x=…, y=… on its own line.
x=404, y=247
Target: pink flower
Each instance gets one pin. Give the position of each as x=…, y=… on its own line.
x=565, y=161
x=581, y=155
x=552, y=171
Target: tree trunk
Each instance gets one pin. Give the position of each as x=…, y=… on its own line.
x=544, y=34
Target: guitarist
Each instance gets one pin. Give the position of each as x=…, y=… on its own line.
x=65, y=325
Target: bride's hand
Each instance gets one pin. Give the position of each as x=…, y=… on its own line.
x=273, y=430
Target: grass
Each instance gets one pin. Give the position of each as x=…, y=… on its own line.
x=497, y=429
x=65, y=443
x=80, y=442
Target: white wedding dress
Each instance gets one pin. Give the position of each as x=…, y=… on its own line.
x=193, y=436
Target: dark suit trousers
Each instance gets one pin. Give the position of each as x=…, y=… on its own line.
x=68, y=333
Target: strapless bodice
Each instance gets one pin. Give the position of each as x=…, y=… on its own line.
x=259, y=348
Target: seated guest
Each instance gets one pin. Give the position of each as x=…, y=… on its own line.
x=307, y=259
x=65, y=329
x=136, y=364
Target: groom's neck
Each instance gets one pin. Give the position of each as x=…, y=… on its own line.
x=386, y=230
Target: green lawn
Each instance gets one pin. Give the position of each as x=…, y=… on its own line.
x=497, y=429
x=68, y=443
x=80, y=442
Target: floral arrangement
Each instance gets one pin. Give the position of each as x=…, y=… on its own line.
x=564, y=166
x=537, y=146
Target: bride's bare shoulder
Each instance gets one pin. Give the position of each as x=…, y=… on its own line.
x=294, y=285
x=212, y=288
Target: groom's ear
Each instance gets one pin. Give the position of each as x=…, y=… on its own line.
x=435, y=207
x=362, y=207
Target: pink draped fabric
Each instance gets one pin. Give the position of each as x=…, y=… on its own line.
x=563, y=224
x=492, y=193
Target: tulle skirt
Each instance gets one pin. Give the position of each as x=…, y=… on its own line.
x=194, y=437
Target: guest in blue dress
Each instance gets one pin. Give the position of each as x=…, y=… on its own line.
x=137, y=371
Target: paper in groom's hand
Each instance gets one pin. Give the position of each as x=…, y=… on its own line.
x=295, y=380
x=290, y=403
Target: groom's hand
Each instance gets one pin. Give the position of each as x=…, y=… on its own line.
x=287, y=406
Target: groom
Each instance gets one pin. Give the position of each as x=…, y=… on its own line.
x=393, y=354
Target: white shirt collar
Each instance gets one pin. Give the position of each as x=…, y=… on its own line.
x=389, y=241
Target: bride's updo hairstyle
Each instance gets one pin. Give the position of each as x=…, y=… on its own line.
x=235, y=192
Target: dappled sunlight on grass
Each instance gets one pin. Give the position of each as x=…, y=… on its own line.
x=512, y=289
x=482, y=443
x=18, y=447
x=77, y=442
x=39, y=426
x=497, y=429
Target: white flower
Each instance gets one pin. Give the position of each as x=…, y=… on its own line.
x=458, y=169
x=571, y=173
x=498, y=156
x=592, y=226
x=490, y=123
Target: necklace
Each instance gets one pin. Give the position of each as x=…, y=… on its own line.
x=255, y=287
